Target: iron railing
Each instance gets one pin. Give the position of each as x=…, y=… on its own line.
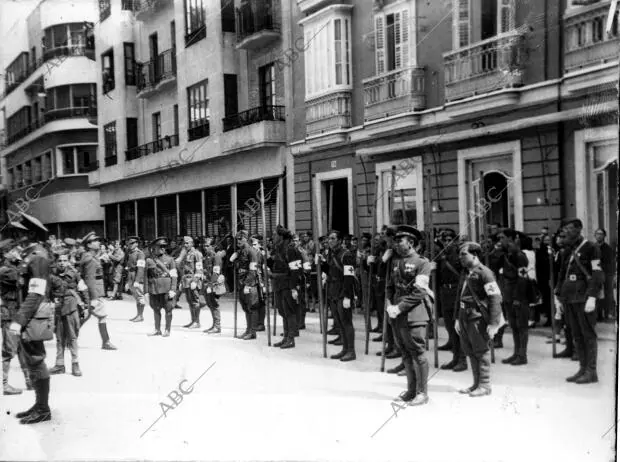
x=252, y=116
x=199, y=131
x=254, y=16
x=110, y=160
x=143, y=150
x=151, y=73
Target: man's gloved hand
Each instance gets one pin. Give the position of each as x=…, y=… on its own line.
x=233, y=257
x=324, y=277
x=193, y=285
x=370, y=259
x=346, y=303
x=559, y=309
x=392, y=311
x=15, y=328
x=295, y=294
x=221, y=279
x=171, y=294
x=492, y=330
x=590, y=304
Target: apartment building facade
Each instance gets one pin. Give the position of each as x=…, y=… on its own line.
x=193, y=116
x=49, y=117
x=458, y=113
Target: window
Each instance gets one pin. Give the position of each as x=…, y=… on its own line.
x=267, y=82
x=27, y=172
x=36, y=170
x=86, y=158
x=156, y=121
x=46, y=166
x=130, y=5
x=132, y=133
x=104, y=9
x=109, y=134
x=83, y=95
x=231, y=106
x=17, y=124
x=107, y=71
x=33, y=58
x=195, y=26
x=16, y=72
x=461, y=24
x=173, y=35
x=228, y=16
x=198, y=110
x=130, y=64
x=328, y=52
x=175, y=116
x=392, y=41
x=68, y=160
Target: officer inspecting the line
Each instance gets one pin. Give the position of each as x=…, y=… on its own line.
x=191, y=267
x=580, y=284
x=136, y=262
x=410, y=309
x=479, y=316
x=162, y=277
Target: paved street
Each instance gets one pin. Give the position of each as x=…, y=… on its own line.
x=261, y=403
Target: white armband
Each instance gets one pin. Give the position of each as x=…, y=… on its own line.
x=198, y=266
x=295, y=264
x=307, y=266
x=82, y=286
x=37, y=286
x=253, y=266
x=422, y=280
x=216, y=270
x=233, y=257
x=173, y=273
x=491, y=288
x=348, y=270
x=140, y=263
x=596, y=265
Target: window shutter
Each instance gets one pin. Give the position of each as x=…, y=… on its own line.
x=380, y=43
x=460, y=23
x=505, y=13
x=401, y=37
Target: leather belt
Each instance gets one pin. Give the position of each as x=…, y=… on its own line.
x=449, y=286
x=98, y=277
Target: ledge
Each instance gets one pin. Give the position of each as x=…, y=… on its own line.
x=488, y=103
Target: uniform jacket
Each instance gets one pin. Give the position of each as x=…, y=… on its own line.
x=573, y=285
x=117, y=257
x=447, y=263
x=340, y=269
x=36, y=282
x=212, y=267
x=480, y=295
x=608, y=259
x=92, y=275
x=136, y=263
x=286, y=265
x=247, y=266
x=408, y=287
x=161, y=274
x=9, y=277
x=514, y=269
x=379, y=267
x=190, y=267
x=63, y=284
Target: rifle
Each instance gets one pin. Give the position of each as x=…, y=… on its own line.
x=433, y=272
x=262, y=200
x=319, y=283
x=370, y=268
x=235, y=285
x=387, y=276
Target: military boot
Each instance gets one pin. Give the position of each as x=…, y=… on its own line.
x=8, y=389
x=397, y=369
x=157, y=331
x=421, y=377
x=289, y=342
x=75, y=370
x=475, y=369
x=484, y=368
x=461, y=364
x=168, y=324
x=522, y=354
x=215, y=328
x=57, y=369
x=105, y=337
x=515, y=354
x=590, y=375
x=41, y=411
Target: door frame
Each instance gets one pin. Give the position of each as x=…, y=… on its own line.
x=464, y=156
x=319, y=177
x=582, y=160
x=383, y=167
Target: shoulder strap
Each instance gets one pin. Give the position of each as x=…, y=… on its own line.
x=576, y=259
x=473, y=293
x=161, y=265
x=452, y=268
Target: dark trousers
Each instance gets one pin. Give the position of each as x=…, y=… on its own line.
x=518, y=318
x=475, y=344
x=33, y=354
x=214, y=307
x=159, y=302
x=287, y=308
x=250, y=305
x=605, y=307
x=448, y=297
x=67, y=330
x=193, y=300
x=584, y=334
x=301, y=305
x=343, y=320
x=412, y=343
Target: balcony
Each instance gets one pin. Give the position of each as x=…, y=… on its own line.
x=110, y=160
x=252, y=116
x=156, y=74
x=199, y=131
x=587, y=43
x=396, y=92
x=485, y=66
x=144, y=150
x=257, y=24
x=143, y=8
x=306, y=5
x=328, y=113
x=67, y=51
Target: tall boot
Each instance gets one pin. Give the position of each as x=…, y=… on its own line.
x=420, y=365
x=22, y=364
x=410, y=394
x=21, y=415
x=260, y=325
x=41, y=411
x=196, y=324
x=168, y=323
x=484, y=368
x=590, y=375
x=247, y=324
x=498, y=340
x=216, y=327
x=192, y=317
x=105, y=337
x=475, y=369
x=253, y=320
x=522, y=353
x=157, y=315
x=8, y=389
x=139, y=317
x=517, y=341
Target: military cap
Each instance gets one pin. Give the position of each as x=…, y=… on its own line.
x=407, y=230
x=69, y=241
x=574, y=221
x=159, y=241
x=242, y=233
x=132, y=239
x=6, y=244
x=90, y=237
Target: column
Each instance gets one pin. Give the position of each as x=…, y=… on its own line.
x=156, y=217
x=178, y=215
x=135, y=217
x=118, y=220
x=203, y=212
x=233, y=209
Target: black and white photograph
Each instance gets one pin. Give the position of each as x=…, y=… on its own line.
x=309, y=230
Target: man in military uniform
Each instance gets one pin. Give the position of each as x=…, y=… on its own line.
x=478, y=317
x=304, y=283
x=410, y=310
x=36, y=283
x=246, y=259
x=214, y=286
x=68, y=292
x=9, y=287
x=162, y=277
x=190, y=262
x=494, y=260
x=286, y=266
x=262, y=287
x=514, y=293
x=92, y=273
x=339, y=267
x=117, y=259
x=449, y=272
x=580, y=283
x=136, y=262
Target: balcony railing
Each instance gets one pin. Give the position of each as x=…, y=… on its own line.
x=91, y=167
x=395, y=92
x=156, y=71
x=131, y=5
x=587, y=42
x=199, y=131
x=252, y=116
x=51, y=115
x=257, y=23
x=485, y=66
x=329, y=112
x=143, y=150
x=110, y=160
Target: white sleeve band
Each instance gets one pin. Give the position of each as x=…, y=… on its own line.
x=307, y=266
x=422, y=280
x=491, y=288
x=596, y=265
x=173, y=273
x=295, y=264
x=217, y=270
x=233, y=257
x=140, y=263
x=198, y=266
x=253, y=266
x=37, y=286
x=348, y=270
x=82, y=285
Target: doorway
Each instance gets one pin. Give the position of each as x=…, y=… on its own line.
x=333, y=200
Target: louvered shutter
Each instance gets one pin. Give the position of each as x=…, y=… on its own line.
x=167, y=216
x=111, y=221
x=218, y=212
x=380, y=43
x=404, y=38
x=505, y=16
x=248, y=205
